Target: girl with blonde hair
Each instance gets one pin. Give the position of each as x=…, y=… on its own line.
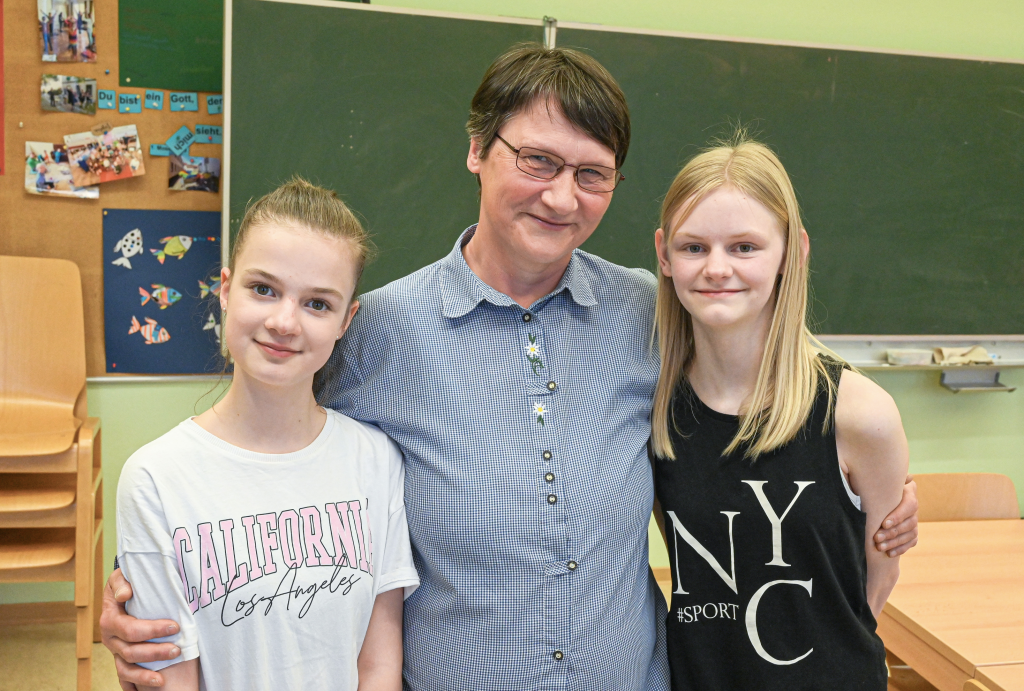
x=775, y=463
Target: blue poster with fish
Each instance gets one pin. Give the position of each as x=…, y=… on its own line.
x=161, y=284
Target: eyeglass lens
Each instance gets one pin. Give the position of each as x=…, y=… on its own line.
x=541, y=164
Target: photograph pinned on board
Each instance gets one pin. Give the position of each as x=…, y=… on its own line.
x=194, y=173
x=64, y=94
x=48, y=171
x=112, y=155
x=161, y=316
x=66, y=30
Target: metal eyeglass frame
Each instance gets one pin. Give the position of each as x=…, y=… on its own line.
x=618, y=177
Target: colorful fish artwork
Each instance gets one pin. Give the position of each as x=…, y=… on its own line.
x=212, y=323
x=151, y=332
x=161, y=295
x=175, y=339
x=176, y=246
x=212, y=289
x=128, y=246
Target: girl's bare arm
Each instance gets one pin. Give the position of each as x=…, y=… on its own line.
x=380, y=658
x=183, y=676
x=873, y=451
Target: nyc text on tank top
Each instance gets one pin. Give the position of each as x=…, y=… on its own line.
x=768, y=564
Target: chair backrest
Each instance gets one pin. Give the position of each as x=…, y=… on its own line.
x=42, y=354
x=965, y=497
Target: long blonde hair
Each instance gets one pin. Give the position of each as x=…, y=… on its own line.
x=787, y=381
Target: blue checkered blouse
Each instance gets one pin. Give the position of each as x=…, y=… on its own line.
x=528, y=488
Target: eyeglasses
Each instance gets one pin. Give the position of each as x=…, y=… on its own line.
x=541, y=164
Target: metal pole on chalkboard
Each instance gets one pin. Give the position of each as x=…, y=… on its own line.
x=550, y=29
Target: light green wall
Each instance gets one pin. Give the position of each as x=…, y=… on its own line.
x=947, y=432
x=982, y=28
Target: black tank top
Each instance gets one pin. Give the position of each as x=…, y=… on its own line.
x=768, y=567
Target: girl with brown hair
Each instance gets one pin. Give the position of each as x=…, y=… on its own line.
x=270, y=529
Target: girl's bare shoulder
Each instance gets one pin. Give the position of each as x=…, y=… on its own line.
x=867, y=418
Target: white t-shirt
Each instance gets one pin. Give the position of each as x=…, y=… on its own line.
x=270, y=562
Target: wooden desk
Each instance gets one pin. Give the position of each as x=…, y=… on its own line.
x=1002, y=677
x=957, y=612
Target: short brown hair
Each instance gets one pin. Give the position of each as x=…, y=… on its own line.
x=588, y=95
x=319, y=209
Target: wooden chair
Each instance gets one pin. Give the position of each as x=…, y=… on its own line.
x=965, y=497
x=51, y=506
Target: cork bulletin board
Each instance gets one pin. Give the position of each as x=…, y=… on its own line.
x=68, y=228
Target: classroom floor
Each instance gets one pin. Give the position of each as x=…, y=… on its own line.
x=41, y=657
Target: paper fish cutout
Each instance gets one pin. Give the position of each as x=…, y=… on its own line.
x=213, y=288
x=162, y=295
x=151, y=332
x=128, y=246
x=212, y=323
x=176, y=246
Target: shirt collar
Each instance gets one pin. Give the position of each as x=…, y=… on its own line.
x=462, y=290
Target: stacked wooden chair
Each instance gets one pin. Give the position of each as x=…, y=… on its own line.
x=51, y=492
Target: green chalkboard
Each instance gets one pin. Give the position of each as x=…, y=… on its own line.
x=171, y=44
x=910, y=170
x=372, y=104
